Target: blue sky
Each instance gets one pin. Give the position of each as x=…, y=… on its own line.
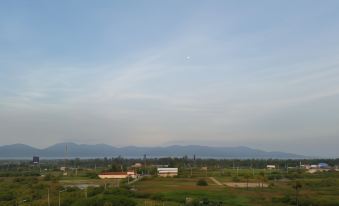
x=263, y=74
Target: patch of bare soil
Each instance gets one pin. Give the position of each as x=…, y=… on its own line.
x=244, y=184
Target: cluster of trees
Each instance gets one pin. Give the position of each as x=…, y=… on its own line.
x=119, y=163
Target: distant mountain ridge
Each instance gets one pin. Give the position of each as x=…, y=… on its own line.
x=103, y=150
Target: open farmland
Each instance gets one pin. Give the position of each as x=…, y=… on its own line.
x=26, y=185
x=317, y=189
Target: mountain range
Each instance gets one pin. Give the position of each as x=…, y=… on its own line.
x=103, y=150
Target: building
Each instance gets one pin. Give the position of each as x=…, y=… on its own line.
x=323, y=166
x=117, y=175
x=270, y=167
x=314, y=167
x=132, y=174
x=137, y=165
x=167, y=172
x=306, y=166
x=36, y=160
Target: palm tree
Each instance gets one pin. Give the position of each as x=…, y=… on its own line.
x=247, y=176
x=262, y=179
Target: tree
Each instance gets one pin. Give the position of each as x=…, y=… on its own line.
x=261, y=179
x=202, y=182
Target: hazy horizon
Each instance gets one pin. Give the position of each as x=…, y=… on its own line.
x=261, y=74
x=307, y=154
x=203, y=151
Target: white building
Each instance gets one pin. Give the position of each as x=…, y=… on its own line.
x=117, y=175
x=270, y=167
x=132, y=174
x=167, y=172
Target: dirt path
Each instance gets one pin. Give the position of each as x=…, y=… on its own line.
x=216, y=181
x=244, y=184
x=135, y=180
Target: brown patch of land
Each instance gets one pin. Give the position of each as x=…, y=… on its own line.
x=244, y=184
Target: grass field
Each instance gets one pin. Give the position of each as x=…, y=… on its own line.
x=318, y=189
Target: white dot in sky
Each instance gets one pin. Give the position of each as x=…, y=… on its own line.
x=188, y=57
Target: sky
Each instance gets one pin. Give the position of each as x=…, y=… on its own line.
x=262, y=74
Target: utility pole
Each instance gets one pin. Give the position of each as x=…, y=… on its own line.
x=287, y=168
x=48, y=198
x=65, y=163
x=194, y=161
x=86, y=193
x=66, y=150
x=145, y=163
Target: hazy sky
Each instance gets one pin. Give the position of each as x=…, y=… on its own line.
x=263, y=74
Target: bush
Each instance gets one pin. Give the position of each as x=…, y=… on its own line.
x=202, y=182
x=121, y=201
x=92, y=191
x=144, y=195
x=157, y=196
x=89, y=202
x=6, y=196
x=108, y=200
x=91, y=175
x=236, y=179
x=119, y=191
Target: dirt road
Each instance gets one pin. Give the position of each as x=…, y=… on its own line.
x=216, y=181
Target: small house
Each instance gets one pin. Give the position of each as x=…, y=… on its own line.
x=270, y=167
x=323, y=166
x=167, y=172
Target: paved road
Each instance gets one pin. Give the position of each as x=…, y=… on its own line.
x=216, y=181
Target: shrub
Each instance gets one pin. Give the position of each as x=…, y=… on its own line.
x=142, y=195
x=92, y=191
x=236, y=179
x=157, y=196
x=6, y=196
x=202, y=182
x=91, y=175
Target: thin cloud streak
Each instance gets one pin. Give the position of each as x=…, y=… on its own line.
x=247, y=76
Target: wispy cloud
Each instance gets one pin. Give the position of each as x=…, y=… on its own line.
x=197, y=74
